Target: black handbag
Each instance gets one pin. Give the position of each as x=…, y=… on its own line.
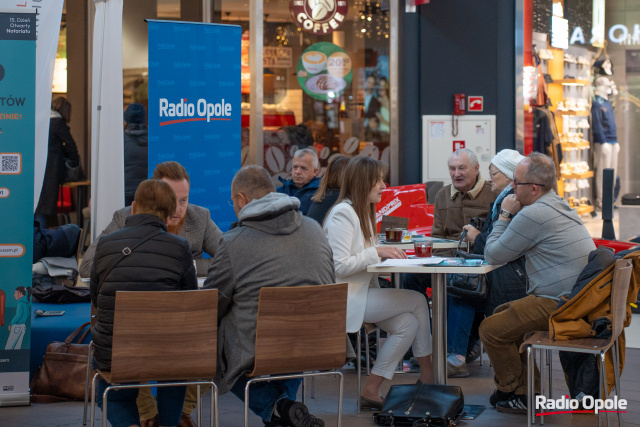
x=421, y=405
x=72, y=171
x=471, y=287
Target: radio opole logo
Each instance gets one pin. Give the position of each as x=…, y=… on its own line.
x=184, y=111
x=569, y=406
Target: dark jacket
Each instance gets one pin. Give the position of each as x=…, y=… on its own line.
x=135, y=159
x=507, y=283
x=603, y=120
x=61, y=145
x=304, y=194
x=162, y=263
x=319, y=211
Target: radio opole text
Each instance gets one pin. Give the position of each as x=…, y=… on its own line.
x=202, y=108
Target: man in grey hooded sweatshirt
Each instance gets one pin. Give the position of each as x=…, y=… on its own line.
x=556, y=246
x=272, y=244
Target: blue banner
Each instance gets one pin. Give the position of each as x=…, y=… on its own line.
x=194, y=108
x=17, y=141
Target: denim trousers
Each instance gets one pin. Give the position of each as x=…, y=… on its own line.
x=263, y=395
x=123, y=411
x=503, y=333
x=460, y=316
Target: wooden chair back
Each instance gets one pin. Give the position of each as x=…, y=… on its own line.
x=164, y=336
x=619, y=291
x=301, y=329
x=393, y=222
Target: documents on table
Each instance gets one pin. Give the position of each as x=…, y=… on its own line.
x=411, y=262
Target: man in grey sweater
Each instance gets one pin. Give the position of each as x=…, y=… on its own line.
x=272, y=244
x=556, y=246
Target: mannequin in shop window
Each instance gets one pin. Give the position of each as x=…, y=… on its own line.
x=605, y=137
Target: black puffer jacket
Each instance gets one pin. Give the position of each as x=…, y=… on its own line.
x=136, y=147
x=507, y=283
x=162, y=263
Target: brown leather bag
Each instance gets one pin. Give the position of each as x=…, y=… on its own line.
x=63, y=371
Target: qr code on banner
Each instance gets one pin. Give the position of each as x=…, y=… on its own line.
x=10, y=163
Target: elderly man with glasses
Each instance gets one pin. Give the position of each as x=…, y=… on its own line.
x=556, y=246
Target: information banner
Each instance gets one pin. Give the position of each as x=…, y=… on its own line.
x=194, y=108
x=17, y=139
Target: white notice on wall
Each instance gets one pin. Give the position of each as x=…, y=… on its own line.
x=437, y=129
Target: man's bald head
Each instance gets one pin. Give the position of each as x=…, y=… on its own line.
x=252, y=182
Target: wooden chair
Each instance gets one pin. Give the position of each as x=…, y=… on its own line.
x=540, y=341
x=368, y=329
x=286, y=349
x=151, y=331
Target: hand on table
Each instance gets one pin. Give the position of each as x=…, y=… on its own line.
x=390, y=252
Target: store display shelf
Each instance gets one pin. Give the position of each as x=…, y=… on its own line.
x=585, y=175
x=582, y=145
x=574, y=82
x=582, y=210
x=572, y=113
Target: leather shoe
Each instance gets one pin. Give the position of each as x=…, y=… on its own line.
x=151, y=422
x=371, y=404
x=186, y=421
x=296, y=414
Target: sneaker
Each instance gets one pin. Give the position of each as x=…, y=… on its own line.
x=456, y=366
x=516, y=404
x=296, y=414
x=499, y=396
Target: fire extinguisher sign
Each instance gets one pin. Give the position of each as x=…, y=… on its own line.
x=475, y=103
x=458, y=145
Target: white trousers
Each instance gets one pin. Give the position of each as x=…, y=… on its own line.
x=605, y=157
x=404, y=315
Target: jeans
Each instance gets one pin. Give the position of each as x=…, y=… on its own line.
x=460, y=317
x=502, y=334
x=263, y=395
x=123, y=411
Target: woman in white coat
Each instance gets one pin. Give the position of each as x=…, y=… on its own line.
x=403, y=314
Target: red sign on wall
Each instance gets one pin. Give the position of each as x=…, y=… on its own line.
x=475, y=103
x=458, y=145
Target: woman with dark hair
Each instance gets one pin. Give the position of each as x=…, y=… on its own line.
x=61, y=146
x=18, y=325
x=329, y=189
x=403, y=314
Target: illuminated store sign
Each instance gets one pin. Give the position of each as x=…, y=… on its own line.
x=318, y=17
x=620, y=34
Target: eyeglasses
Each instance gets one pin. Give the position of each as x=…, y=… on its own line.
x=515, y=183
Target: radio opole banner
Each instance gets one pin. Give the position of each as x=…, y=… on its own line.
x=17, y=136
x=194, y=107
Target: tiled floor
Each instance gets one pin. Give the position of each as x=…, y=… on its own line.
x=476, y=390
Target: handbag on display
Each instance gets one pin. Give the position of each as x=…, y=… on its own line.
x=64, y=366
x=421, y=405
x=471, y=287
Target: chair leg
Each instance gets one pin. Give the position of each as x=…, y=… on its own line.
x=302, y=389
x=615, y=355
x=367, y=354
x=246, y=404
x=86, y=386
x=93, y=401
x=340, y=395
x=530, y=387
x=543, y=354
x=358, y=370
x=198, y=405
x=313, y=388
x=105, y=407
x=550, y=363
x=214, y=403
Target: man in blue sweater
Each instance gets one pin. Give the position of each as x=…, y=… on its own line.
x=556, y=246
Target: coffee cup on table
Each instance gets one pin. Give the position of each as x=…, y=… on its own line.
x=394, y=234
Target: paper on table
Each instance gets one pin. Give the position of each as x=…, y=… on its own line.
x=411, y=261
